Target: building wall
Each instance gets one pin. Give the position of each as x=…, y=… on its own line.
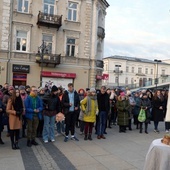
x=128, y=77
x=84, y=30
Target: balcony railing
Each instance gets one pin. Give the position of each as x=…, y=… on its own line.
x=99, y=63
x=49, y=20
x=50, y=61
x=101, y=32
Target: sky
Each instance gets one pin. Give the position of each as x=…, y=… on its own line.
x=138, y=28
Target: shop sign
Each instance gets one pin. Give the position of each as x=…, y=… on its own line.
x=58, y=74
x=21, y=68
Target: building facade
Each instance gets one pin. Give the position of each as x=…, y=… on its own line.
x=134, y=72
x=60, y=41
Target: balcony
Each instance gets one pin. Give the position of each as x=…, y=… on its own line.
x=48, y=61
x=101, y=32
x=49, y=20
x=99, y=63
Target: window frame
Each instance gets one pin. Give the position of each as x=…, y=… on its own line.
x=139, y=70
x=49, y=5
x=23, y=6
x=21, y=39
x=48, y=42
x=70, y=48
x=72, y=12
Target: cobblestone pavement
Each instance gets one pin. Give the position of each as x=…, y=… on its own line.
x=119, y=151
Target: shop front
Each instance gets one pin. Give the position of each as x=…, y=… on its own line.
x=20, y=74
x=57, y=78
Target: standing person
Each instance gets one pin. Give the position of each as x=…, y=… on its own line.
x=33, y=110
x=1, y=124
x=7, y=95
x=23, y=95
x=146, y=105
x=70, y=103
x=15, y=109
x=158, y=109
x=52, y=107
x=137, y=108
x=89, y=106
x=82, y=95
x=104, y=106
x=123, y=107
x=41, y=94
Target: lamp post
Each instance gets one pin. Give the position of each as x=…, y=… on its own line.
x=156, y=80
x=118, y=74
x=42, y=54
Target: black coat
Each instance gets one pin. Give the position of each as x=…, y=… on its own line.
x=66, y=102
x=1, y=114
x=158, y=114
x=103, y=99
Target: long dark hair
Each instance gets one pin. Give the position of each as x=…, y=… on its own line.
x=155, y=97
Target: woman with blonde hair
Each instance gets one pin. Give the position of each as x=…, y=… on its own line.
x=15, y=109
x=90, y=107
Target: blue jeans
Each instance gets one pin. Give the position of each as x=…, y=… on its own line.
x=48, y=129
x=102, y=123
x=60, y=127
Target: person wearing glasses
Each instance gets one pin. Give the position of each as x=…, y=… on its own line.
x=33, y=113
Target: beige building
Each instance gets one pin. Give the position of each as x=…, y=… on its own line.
x=69, y=35
x=134, y=72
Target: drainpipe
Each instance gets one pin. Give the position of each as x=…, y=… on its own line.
x=9, y=42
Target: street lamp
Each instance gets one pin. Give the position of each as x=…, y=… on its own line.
x=118, y=74
x=41, y=55
x=156, y=80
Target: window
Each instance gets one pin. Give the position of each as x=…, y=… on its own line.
x=126, y=81
x=72, y=11
x=70, y=51
x=163, y=72
x=151, y=71
x=48, y=40
x=49, y=6
x=133, y=69
x=127, y=69
x=116, y=79
x=23, y=6
x=21, y=41
x=132, y=81
x=146, y=70
x=139, y=70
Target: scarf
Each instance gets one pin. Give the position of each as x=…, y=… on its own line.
x=34, y=100
x=88, y=107
x=18, y=105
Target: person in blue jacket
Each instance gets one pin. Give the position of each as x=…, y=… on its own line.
x=33, y=113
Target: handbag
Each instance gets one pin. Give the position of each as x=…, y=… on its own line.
x=142, y=115
x=81, y=115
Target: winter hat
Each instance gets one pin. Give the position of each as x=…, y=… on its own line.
x=41, y=88
x=92, y=89
x=10, y=88
x=128, y=93
x=122, y=94
x=21, y=87
x=54, y=88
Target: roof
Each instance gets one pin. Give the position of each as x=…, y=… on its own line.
x=106, y=3
x=134, y=59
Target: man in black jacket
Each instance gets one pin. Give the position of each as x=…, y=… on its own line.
x=70, y=103
x=104, y=106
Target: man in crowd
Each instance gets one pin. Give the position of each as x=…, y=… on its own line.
x=104, y=106
x=70, y=103
x=33, y=108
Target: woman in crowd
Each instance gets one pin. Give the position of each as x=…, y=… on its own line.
x=146, y=105
x=158, y=109
x=90, y=107
x=15, y=109
x=123, y=107
x=1, y=124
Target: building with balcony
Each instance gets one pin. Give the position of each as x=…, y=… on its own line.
x=73, y=32
x=134, y=72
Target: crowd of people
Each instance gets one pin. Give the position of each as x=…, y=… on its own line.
x=35, y=112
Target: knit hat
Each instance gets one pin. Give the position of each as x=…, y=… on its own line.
x=41, y=88
x=92, y=89
x=21, y=87
x=128, y=92
x=122, y=94
x=54, y=88
x=87, y=89
x=10, y=88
